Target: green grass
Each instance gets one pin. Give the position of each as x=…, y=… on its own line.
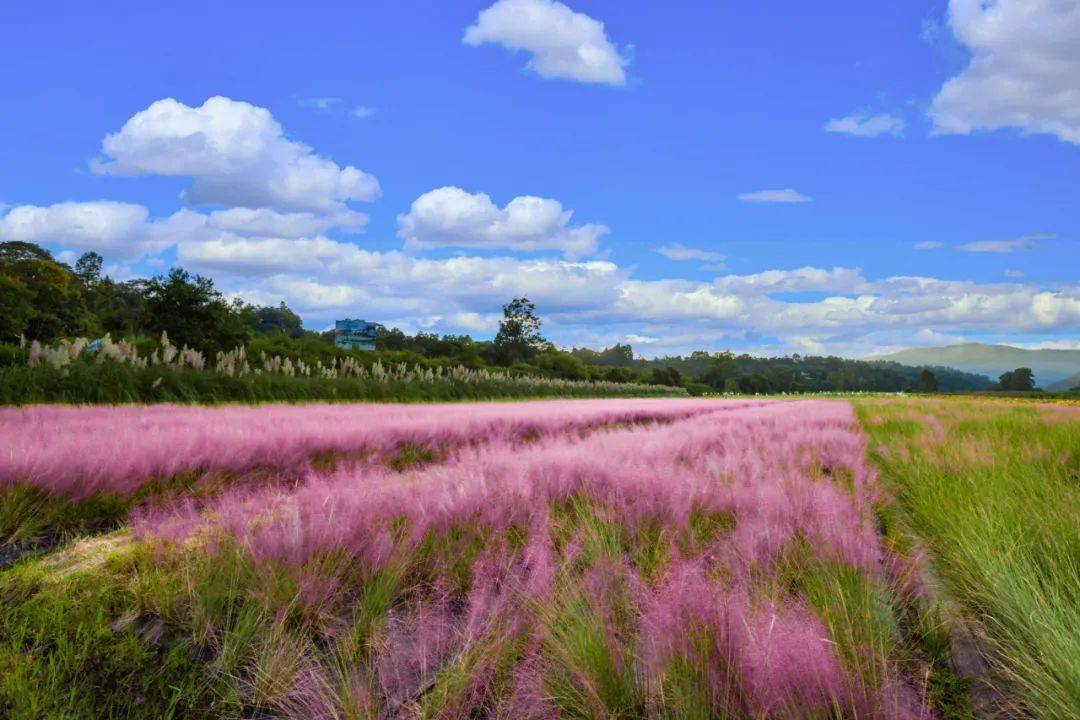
x=994, y=496
x=108, y=382
x=77, y=647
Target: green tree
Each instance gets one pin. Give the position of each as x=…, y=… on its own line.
x=518, y=339
x=665, y=376
x=719, y=368
x=1019, y=379
x=88, y=269
x=560, y=364
x=927, y=382
x=55, y=294
x=16, y=308
x=278, y=320
x=191, y=310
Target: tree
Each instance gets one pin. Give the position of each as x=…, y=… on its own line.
x=88, y=269
x=666, y=376
x=718, y=368
x=1020, y=379
x=55, y=295
x=518, y=339
x=16, y=308
x=927, y=382
x=193, y=312
x=278, y=320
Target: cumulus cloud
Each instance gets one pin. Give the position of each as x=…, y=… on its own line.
x=322, y=277
x=452, y=217
x=237, y=154
x=866, y=125
x=1004, y=246
x=677, y=251
x=1024, y=71
x=787, y=195
x=1009, y=273
x=563, y=43
x=266, y=221
x=121, y=230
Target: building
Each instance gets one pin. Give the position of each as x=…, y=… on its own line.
x=354, y=334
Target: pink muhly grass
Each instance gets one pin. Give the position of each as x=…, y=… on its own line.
x=414, y=647
x=788, y=474
x=82, y=450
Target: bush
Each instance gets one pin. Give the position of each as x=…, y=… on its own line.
x=12, y=355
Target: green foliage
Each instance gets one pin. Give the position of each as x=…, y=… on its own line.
x=726, y=372
x=617, y=355
x=927, y=382
x=277, y=321
x=518, y=339
x=109, y=382
x=556, y=363
x=1020, y=379
x=193, y=313
x=39, y=297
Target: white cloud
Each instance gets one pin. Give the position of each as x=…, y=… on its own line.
x=1024, y=71
x=1013, y=273
x=1060, y=344
x=928, y=245
x=119, y=229
x=322, y=278
x=1005, y=246
x=268, y=222
x=563, y=43
x=866, y=125
x=362, y=111
x=677, y=251
x=787, y=195
x=452, y=217
x=237, y=154
x=322, y=104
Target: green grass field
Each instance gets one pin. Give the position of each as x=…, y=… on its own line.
x=991, y=491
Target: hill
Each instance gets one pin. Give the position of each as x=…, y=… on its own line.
x=746, y=373
x=1049, y=366
x=1067, y=384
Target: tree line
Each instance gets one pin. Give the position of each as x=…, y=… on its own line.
x=44, y=299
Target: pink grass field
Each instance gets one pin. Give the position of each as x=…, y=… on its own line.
x=720, y=561
x=81, y=450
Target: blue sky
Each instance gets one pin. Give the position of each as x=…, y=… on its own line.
x=932, y=151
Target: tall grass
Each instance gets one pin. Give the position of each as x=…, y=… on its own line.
x=724, y=563
x=117, y=373
x=77, y=468
x=993, y=491
x=577, y=577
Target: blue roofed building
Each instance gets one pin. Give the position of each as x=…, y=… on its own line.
x=354, y=334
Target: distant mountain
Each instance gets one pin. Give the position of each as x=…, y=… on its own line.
x=1067, y=384
x=1049, y=366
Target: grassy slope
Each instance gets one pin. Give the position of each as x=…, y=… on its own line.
x=993, y=492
